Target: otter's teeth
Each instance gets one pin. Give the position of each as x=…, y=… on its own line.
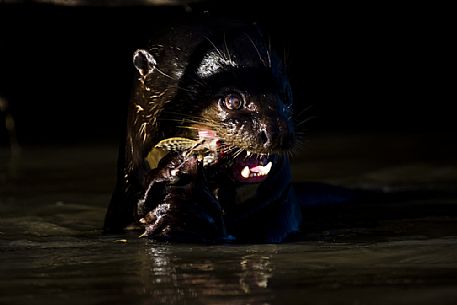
x=266, y=169
x=245, y=172
x=248, y=153
x=256, y=171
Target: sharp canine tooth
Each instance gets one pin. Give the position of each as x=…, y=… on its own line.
x=245, y=172
x=248, y=153
x=266, y=169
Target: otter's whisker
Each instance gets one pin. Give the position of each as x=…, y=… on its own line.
x=257, y=50
x=221, y=54
x=227, y=49
x=306, y=120
x=237, y=153
x=304, y=110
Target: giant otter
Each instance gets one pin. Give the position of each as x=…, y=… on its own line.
x=209, y=128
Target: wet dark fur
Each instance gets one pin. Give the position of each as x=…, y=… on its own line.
x=205, y=204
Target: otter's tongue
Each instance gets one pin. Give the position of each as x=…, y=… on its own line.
x=247, y=168
x=251, y=169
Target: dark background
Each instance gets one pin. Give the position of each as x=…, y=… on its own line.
x=66, y=70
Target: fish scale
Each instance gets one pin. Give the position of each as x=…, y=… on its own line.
x=176, y=144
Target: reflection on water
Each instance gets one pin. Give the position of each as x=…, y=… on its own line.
x=52, y=250
x=96, y=270
x=176, y=274
x=257, y=271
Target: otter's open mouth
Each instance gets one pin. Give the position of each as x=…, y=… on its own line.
x=244, y=166
x=249, y=168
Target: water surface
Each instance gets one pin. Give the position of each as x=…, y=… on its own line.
x=53, y=201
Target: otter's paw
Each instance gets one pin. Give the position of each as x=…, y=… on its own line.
x=178, y=220
x=178, y=205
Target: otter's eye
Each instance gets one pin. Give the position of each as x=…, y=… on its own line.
x=233, y=102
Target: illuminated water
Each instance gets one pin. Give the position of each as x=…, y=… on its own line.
x=52, y=204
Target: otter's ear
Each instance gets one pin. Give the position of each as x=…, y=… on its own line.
x=144, y=62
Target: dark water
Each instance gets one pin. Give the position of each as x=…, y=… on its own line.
x=53, y=199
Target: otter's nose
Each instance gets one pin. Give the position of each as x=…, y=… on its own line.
x=264, y=138
x=277, y=134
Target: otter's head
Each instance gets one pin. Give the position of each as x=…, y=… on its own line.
x=248, y=103
x=252, y=117
x=234, y=88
